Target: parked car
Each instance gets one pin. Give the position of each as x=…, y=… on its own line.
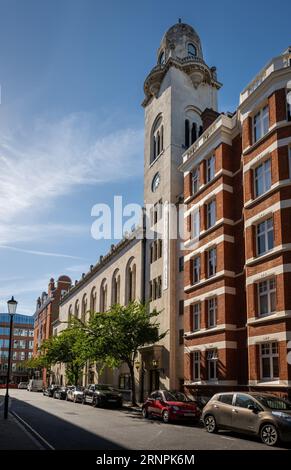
x=50, y=390
x=60, y=393
x=102, y=395
x=171, y=406
x=23, y=385
x=260, y=414
x=35, y=385
x=75, y=394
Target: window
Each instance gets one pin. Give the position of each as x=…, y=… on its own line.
x=210, y=168
x=211, y=262
x=226, y=399
x=195, y=180
x=156, y=212
x=4, y=343
x=288, y=99
x=267, y=297
x=243, y=401
x=196, y=316
x=263, y=178
x=162, y=58
x=181, y=307
x=160, y=248
x=212, y=364
x=181, y=264
x=196, y=365
x=192, y=50
x=212, y=310
x=211, y=213
x=265, y=236
x=4, y=331
x=196, y=269
x=269, y=360
x=190, y=133
x=156, y=288
x=157, y=139
x=261, y=123
x=196, y=223
x=181, y=336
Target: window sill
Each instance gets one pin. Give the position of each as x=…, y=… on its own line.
x=273, y=188
x=157, y=158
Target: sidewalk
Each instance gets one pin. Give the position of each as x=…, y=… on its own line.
x=13, y=436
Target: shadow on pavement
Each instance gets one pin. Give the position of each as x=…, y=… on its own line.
x=60, y=434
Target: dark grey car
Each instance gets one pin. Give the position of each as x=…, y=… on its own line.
x=260, y=414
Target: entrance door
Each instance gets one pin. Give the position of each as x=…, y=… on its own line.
x=154, y=380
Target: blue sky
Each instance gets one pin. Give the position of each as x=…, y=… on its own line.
x=71, y=124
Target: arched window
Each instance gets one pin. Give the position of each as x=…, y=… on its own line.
x=192, y=52
x=84, y=308
x=77, y=308
x=192, y=123
x=157, y=138
x=193, y=133
x=162, y=58
x=200, y=131
x=187, y=139
x=103, y=296
x=70, y=313
x=116, y=287
x=93, y=297
x=130, y=278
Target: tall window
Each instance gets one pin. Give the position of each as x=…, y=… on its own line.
x=192, y=50
x=181, y=307
x=196, y=269
x=211, y=262
x=261, y=123
x=196, y=365
x=211, y=213
x=181, y=336
x=116, y=288
x=157, y=139
x=210, y=168
x=195, y=180
x=181, y=264
x=267, y=296
x=265, y=236
x=190, y=133
x=263, y=178
x=212, y=312
x=212, y=364
x=196, y=316
x=196, y=224
x=288, y=106
x=269, y=360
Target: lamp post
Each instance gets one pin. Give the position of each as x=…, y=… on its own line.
x=12, y=304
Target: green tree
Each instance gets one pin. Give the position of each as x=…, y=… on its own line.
x=69, y=348
x=116, y=335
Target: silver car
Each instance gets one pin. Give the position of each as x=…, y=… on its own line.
x=261, y=414
x=75, y=394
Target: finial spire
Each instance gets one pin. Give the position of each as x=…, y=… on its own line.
x=180, y=20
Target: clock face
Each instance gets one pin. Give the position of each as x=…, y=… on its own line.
x=156, y=182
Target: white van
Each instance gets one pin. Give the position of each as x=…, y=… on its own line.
x=35, y=385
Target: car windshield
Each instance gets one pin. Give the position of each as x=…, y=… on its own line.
x=175, y=396
x=104, y=387
x=274, y=403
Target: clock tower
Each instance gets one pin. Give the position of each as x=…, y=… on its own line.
x=177, y=91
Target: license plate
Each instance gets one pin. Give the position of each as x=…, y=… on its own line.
x=111, y=400
x=189, y=414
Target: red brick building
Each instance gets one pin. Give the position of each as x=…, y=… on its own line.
x=237, y=191
x=47, y=312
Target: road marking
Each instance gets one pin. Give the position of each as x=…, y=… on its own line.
x=33, y=431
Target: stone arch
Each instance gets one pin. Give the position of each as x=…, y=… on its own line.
x=130, y=280
x=115, y=289
x=103, y=295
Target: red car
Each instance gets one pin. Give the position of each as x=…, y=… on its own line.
x=170, y=406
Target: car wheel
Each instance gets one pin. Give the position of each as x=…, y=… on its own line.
x=83, y=401
x=145, y=413
x=210, y=424
x=269, y=434
x=95, y=402
x=166, y=416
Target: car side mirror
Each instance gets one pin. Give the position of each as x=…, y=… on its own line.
x=253, y=408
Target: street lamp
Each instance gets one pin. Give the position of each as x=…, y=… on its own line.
x=12, y=304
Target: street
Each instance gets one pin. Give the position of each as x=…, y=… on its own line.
x=66, y=425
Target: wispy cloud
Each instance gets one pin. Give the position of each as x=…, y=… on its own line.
x=39, y=253
x=78, y=268
x=51, y=159
x=15, y=233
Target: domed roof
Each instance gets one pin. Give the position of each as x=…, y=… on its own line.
x=64, y=278
x=176, y=40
